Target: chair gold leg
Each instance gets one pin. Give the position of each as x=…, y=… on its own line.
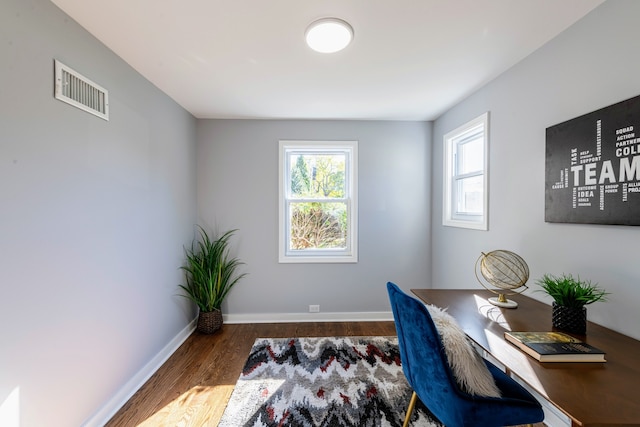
x=412, y=404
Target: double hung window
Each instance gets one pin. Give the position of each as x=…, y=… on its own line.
x=318, y=201
x=465, y=201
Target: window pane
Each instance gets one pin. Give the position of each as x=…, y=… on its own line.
x=465, y=197
x=470, y=156
x=318, y=225
x=317, y=176
x=469, y=191
x=318, y=207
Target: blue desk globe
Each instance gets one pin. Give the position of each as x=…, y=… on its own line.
x=503, y=273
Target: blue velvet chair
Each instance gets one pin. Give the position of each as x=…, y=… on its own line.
x=425, y=365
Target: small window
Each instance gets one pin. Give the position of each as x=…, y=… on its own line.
x=318, y=203
x=465, y=192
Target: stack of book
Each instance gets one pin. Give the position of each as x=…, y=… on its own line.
x=554, y=347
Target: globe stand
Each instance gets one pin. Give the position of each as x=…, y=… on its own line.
x=502, y=301
x=502, y=271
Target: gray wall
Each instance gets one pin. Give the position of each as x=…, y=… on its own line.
x=93, y=219
x=591, y=65
x=238, y=188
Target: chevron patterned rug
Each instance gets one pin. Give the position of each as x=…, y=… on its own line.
x=329, y=382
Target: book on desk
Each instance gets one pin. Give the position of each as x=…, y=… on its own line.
x=554, y=347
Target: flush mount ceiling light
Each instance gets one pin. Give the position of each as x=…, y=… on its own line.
x=328, y=35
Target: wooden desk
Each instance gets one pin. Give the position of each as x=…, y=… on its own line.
x=587, y=394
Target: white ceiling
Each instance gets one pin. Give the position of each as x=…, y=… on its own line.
x=410, y=59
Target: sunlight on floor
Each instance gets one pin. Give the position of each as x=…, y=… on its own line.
x=10, y=409
x=198, y=406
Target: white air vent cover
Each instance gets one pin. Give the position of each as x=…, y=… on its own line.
x=77, y=90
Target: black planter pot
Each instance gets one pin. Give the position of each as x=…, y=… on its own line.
x=209, y=321
x=569, y=319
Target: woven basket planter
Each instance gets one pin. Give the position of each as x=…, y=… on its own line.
x=570, y=319
x=209, y=321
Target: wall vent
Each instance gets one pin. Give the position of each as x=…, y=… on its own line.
x=77, y=90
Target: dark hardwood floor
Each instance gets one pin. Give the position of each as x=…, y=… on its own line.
x=192, y=388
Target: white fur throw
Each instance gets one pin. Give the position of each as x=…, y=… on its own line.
x=467, y=365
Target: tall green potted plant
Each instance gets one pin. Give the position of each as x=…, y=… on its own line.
x=210, y=273
x=570, y=296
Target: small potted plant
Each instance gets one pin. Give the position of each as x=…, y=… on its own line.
x=570, y=296
x=210, y=273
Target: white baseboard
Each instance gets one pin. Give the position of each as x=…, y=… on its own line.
x=368, y=316
x=104, y=414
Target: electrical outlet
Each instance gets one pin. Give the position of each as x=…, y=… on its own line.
x=314, y=309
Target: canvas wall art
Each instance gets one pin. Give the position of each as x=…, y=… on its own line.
x=593, y=167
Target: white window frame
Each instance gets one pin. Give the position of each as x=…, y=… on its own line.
x=350, y=253
x=450, y=216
